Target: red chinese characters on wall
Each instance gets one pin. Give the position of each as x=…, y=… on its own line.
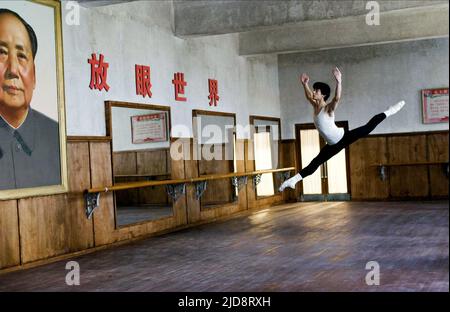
x=213, y=92
x=143, y=83
x=99, y=73
x=179, y=84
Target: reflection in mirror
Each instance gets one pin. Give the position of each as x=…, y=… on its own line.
x=215, y=136
x=267, y=154
x=140, y=149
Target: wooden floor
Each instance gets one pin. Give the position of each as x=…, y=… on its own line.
x=293, y=247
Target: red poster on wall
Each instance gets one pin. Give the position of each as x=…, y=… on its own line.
x=148, y=128
x=435, y=105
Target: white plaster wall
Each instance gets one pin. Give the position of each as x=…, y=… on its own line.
x=141, y=33
x=262, y=84
x=374, y=78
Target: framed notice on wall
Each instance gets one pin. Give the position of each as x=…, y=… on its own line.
x=435, y=105
x=149, y=128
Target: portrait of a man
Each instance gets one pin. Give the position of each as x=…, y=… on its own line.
x=29, y=140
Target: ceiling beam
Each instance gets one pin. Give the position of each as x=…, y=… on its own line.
x=98, y=3
x=215, y=17
x=395, y=26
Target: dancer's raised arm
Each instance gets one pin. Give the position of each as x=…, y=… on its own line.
x=337, y=96
x=304, y=79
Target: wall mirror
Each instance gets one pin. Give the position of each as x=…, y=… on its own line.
x=140, y=152
x=266, y=137
x=215, y=139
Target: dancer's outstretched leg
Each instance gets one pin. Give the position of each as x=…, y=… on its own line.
x=360, y=132
x=326, y=153
x=349, y=137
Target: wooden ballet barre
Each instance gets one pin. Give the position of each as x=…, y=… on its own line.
x=238, y=174
x=140, y=175
x=382, y=166
x=411, y=163
x=176, y=187
x=131, y=185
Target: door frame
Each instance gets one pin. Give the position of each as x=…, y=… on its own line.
x=298, y=156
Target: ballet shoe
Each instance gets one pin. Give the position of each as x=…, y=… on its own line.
x=394, y=108
x=290, y=182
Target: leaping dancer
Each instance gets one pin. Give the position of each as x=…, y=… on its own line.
x=336, y=138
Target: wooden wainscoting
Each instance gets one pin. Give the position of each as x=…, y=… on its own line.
x=437, y=150
x=365, y=180
x=410, y=181
x=402, y=182
x=9, y=234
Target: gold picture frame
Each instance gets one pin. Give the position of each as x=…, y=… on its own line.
x=44, y=16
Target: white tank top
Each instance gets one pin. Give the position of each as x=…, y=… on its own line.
x=327, y=128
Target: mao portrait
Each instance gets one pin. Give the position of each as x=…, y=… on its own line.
x=32, y=136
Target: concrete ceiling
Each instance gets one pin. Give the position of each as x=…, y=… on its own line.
x=395, y=26
x=285, y=26
x=97, y=3
x=213, y=17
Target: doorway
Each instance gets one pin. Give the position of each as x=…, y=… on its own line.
x=331, y=181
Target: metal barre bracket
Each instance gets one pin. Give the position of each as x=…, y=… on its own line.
x=238, y=182
x=200, y=188
x=382, y=172
x=92, y=202
x=256, y=179
x=175, y=191
x=283, y=176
